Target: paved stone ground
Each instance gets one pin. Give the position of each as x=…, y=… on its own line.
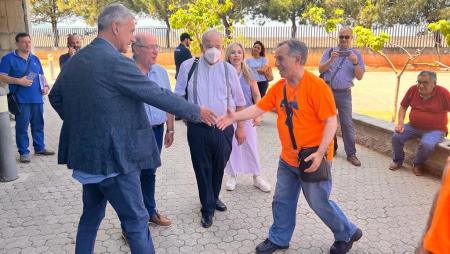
x=39, y=212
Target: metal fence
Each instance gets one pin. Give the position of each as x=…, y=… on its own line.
x=313, y=36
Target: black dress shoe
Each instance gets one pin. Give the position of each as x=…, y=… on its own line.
x=268, y=247
x=207, y=221
x=220, y=206
x=342, y=247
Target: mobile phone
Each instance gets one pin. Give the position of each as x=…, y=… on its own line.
x=31, y=75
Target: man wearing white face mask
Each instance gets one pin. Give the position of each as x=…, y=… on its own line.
x=211, y=82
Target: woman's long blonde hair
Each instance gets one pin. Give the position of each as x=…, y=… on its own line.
x=244, y=68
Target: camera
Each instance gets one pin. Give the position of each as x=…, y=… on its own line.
x=344, y=53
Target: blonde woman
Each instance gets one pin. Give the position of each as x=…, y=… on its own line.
x=244, y=158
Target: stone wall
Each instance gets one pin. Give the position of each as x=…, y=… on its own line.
x=12, y=21
x=376, y=135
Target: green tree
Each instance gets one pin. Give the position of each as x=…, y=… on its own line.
x=284, y=11
x=196, y=18
x=158, y=9
x=48, y=11
x=89, y=10
x=440, y=29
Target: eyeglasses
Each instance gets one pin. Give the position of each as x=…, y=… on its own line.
x=150, y=46
x=341, y=37
x=425, y=83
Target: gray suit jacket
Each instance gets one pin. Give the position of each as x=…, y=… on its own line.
x=100, y=97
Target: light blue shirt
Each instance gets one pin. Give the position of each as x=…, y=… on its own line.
x=256, y=63
x=85, y=178
x=344, y=77
x=158, y=75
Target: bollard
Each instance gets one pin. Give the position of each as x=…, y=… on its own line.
x=8, y=169
x=52, y=68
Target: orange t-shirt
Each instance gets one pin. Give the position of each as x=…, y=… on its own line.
x=437, y=239
x=315, y=104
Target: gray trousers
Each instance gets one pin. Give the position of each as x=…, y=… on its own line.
x=343, y=101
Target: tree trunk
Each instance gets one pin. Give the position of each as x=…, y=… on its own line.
x=166, y=20
x=227, y=26
x=294, y=25
x=55, y=32
x=54, y=22
x=397, y=88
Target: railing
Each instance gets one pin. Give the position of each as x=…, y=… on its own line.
x=313, y=36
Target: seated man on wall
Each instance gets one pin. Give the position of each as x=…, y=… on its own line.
x=428, y=119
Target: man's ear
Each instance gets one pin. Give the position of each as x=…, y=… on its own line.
x=114, y=28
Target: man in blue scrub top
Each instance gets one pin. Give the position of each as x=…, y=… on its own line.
x=21, y=69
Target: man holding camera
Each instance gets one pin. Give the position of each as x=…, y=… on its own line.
x=73, y=45
x=339, y=67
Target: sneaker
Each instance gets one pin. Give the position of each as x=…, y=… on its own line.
x=354, y=160
x=267, y=247
x=45, y=152
x=394, y=166
x=231, y=183
x=418, y=170
x=342, y=247
x=261, y=184
x=25, y=158
x=160, y=220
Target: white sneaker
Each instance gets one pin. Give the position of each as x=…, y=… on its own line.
x=231, y=183
x=261, y=184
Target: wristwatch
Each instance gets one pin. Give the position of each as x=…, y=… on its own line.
x=170, y=131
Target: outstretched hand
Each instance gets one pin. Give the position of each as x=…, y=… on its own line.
x=225, y=120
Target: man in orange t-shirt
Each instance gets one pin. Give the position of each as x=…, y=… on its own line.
x=312, y=115
x=437, y=233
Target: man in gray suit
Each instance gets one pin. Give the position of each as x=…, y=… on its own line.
x=106, y=137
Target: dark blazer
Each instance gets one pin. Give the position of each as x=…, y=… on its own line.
x=180, y=54
x=99, y=95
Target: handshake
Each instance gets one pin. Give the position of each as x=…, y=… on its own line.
x=208, y=117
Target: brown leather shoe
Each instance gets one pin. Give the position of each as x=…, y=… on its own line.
x=354, y=160
x=394, y=166
x=418, y=170
x=45, y=152
x=160, y=220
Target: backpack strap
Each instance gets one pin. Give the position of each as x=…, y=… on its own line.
x=228, y=83
x=289, y=113
x=191, y=71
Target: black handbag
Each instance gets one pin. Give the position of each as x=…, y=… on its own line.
x=321, y=174
x=13, y=104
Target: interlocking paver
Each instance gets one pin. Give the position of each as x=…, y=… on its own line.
x=40, y=211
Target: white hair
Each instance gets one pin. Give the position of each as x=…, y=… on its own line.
x=111, y=13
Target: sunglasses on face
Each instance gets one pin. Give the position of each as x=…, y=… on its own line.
x=344, y=37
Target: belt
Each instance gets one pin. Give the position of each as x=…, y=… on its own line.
x=341, y=90
x=158, y=126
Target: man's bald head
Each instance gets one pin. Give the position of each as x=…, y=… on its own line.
x=145, y=48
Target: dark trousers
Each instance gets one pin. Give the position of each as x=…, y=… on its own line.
x=263, y=85
x=210, y=150
x=148, y=177
x=30, y=114
x=124, y=194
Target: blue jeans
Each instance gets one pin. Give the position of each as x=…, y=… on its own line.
x=148, y=177
x=30, y=114
x=343, y=102
x=124, y=194
x=428, y=140
x=284, y=206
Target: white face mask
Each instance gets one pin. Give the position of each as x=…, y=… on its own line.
x=212, y=55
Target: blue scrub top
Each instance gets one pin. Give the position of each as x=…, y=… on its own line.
x=15, y=66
